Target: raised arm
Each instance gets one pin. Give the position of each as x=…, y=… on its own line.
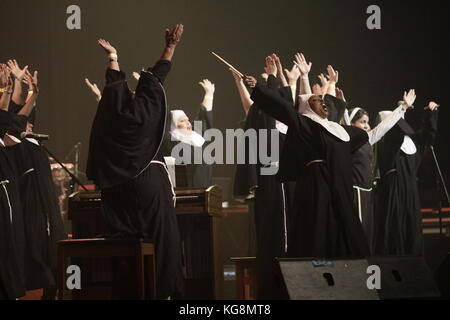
x=333, y=78
x=387, y=124
x=243, y=92
x=31, y=101
x=19, y=74
x=271, y=102
x=173, y=37
x=304, y=68
x=94, y=89
x=293, y=75
x=113, y=63
x=208, y=98
x=280, y=75
x=6, y=85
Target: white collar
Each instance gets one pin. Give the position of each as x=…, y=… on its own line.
x=408, y=146
x=332, y=127
x=281, y=127
x=34, y=141
x=193, y=139
x=2, y=144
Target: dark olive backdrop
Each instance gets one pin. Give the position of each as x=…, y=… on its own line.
x=376, y=66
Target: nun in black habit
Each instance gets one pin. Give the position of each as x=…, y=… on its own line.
x=398, y=225
x=126, y=163
x=42, y=218
x=363, y=160
x=12, y=237
x=316, y=155
x=182, y=137
x=273, y=198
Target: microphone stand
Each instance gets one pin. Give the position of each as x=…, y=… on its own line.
x=440, y=184
x=74, y=178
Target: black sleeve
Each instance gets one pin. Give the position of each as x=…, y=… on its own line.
x=114, y=76
x=358, y=137
x=336, y=108
x=271, y=102
x=272, y=82
x=161, y=69
x=286, y=94
x=430, y=127
x=206, y=117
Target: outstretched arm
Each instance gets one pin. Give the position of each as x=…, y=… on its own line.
x=387, y=124
x=243, y=92
x=113, y=63
x=19, y=74
x=173, y=37
x=293, y=75
x=31, y=101
x=94, y=89
x=304, y=68
x=280, y=74
x=208, y=98
x=6, y=84
x=333, y=78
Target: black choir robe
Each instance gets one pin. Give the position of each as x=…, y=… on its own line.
x=323, y=222
x=136, y=194
x=398, y=220
x=272, y=200
x=42, y=218
x=12, y=236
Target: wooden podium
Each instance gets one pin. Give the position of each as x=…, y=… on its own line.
x=199, y=213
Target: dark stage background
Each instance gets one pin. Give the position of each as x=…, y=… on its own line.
x=375, y=66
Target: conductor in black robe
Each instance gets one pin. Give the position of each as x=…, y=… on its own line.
x=323, y=222
x=126, y=163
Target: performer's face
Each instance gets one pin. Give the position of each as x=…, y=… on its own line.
x=362, y=123
x=318, y=106
x=184, y=124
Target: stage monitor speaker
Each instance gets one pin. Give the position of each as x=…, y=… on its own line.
x=442, y=277
x=405, y=277
x=325, y=280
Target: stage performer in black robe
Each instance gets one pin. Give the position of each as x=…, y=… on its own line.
x=42, y=218
x=126, y=163
x=272, y=196
x=182, y=137
x=12, y=238
x=316, y=154
x=398, y=218
x=363, y=160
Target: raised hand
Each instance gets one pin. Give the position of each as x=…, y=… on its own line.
x=250, y=81
x=271, y=67
x=236, y=76
x=293, y=74
x=208, y=86
x=5, y=75
x=32, y=81
x=18, y=73
x=333, y=75
x=94, y=89
x=302, y=65
x=323, y=80
x=173, y=36
x=409, y=98
x=107, y=46
x=340, y=94
x=432, y=106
